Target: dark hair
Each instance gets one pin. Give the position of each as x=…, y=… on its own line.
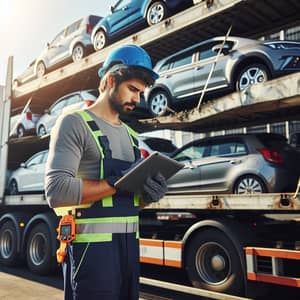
x=123, y=72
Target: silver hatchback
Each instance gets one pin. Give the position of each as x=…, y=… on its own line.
x=242, y=62
x=250, y=163
x=70, y=44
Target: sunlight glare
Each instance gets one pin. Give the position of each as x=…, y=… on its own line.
x=6, y=9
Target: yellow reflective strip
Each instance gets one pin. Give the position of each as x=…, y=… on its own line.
x=107, y=201
x=131, y=131
x=93, y=237
x=136, y=199
x=129, y=219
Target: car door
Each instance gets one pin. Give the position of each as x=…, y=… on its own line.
x=30, y=176
x=56, y=49
x=124, y=15
x=54, y=113
x=205, y=61
x=180, y=75
x=189, y=176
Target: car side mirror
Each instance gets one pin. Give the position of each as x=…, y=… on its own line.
x=48, y=45
x=225, y=49
x=22, y=165
x=47, y=111
x=111, y=9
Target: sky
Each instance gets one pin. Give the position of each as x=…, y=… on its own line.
x=27, y=25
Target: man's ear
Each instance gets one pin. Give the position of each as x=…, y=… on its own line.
x=110, y=81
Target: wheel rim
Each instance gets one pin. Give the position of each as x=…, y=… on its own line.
x=20, y=131
x=159, y=104
x=40, y=69
x=37, y=249
x=77, y=53
x=13, y=188
x=100, y=40
x=156, y=14
x=6, y=243
x=213, y=263
x=249, y=185
x=251, y=76
x=42, y=131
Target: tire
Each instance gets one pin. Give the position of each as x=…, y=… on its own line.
x=251, y=74
x=13, y=188
x=41, y=130
x=78, y=52
x=158, y=103
x=20, y=131
x=38, y=250
x=212, y=263
x=249, y=184
x=40, y=69
x=100, y=40
x=9, y=244
x=156, y=13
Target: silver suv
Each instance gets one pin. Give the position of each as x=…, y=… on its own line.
x=70, y=44
x=245, y=163
x=242, y=62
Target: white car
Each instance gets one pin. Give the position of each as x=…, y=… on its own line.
x=29, y=177
x=71, y=102
x=23, y=123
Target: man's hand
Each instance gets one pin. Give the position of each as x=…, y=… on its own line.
x=154, y=188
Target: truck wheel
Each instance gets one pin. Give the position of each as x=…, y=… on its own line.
x=156, y=13
x=158, y=103
x=38, y=250
x=8, y=244
x=212, y=263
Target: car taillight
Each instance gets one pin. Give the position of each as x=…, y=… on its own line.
x=89, y=102
x=89, y=28
x=29, y=116
x=144, y=153
x=271, y=156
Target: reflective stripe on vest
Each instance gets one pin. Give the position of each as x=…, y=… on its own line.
x=101, y=229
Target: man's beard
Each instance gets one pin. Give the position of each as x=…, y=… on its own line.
x=117, y=106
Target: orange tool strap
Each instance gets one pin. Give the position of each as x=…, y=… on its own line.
x=65, y=234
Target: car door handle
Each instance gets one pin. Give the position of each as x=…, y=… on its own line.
x=125, y=8
x=168, y=76
x=235, y=162
x=199, y=68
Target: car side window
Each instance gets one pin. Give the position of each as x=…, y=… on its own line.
x=58, y=38
x=34, y=160
x=182, y=60
x=73, y=27
x=59, y=106
x=121, y=4
x=191, y=153
x=228, y=149
x=73, y=99
x=206, y=51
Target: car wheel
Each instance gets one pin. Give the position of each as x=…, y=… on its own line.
x=159, y=102
x=13, y=188
x=249, y=184
x=100, y=40
x=251, y=74
x=20, y=131
x=42, y=130
x=8, y=244
x=78, y=52
x=156, y=13
x=38, y=250
x=212, y=263
x=40, y=69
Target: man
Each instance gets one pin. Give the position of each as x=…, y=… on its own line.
x=89, y=151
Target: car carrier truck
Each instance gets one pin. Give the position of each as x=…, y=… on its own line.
x=223, y=242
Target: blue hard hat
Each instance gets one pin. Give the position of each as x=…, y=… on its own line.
x=129, y=55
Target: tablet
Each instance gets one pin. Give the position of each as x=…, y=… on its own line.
x=135, y=178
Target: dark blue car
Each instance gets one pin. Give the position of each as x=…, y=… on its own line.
x=128, y=16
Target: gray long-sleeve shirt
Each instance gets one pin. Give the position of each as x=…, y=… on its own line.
x=74, y=155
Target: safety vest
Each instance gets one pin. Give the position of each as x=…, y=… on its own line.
x=100, y=229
